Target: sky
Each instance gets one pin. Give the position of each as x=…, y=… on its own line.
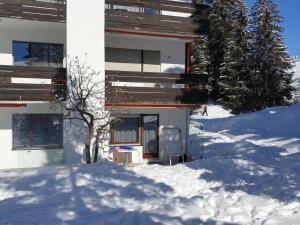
x=290, y=11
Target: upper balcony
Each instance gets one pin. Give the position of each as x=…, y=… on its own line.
x=155, y=89
x=150, y=17
x=155, y=17
x=40, y=10
x=160, y=77
x=35, y=74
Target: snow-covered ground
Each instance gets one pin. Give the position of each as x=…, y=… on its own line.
x=250, y=174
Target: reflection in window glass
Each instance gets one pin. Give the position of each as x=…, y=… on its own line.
x=38, y=54
x=21, y=53
x=132, y=9
x=56, y=55
x=151, y=11
x=34, y=130
x=126, y=8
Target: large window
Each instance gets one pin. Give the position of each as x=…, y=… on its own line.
x=37, y=130
x=38, y=54
x=132, y=60
x=125, y=130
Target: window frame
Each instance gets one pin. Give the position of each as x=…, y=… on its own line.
x=38, y=147
x=141, y=56
x=150, y=155
x=138, y=137
x=30, y=43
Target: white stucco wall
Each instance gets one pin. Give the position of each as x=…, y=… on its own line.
x=178, y=118
x=25, y=158
x=31, y=31
x=172, y=50
x=85, y=38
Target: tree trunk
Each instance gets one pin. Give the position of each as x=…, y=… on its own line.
x=97, y=146
x=88, y=146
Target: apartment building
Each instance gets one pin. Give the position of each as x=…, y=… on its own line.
x=142, y=49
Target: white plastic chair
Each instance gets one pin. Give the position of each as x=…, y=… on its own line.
x=175, y=150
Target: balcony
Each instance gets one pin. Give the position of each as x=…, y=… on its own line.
x=155, y=89
x=34, y=10
x=150, y=16
x=12, y=88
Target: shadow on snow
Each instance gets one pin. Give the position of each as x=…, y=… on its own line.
x=262, y=157
x=85, y=195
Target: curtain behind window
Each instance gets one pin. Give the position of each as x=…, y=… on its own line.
x=126, y=130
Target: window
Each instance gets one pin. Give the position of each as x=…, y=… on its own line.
x=123, y=59
x=37, y=130
x=150, y=135
x=133, y=9
x=151, y=11
x=37, y=54
x=126, y=8
x=151, y=61
x=132, y=60
x=125, y=130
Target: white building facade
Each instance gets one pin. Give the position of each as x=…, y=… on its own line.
x=142, y=50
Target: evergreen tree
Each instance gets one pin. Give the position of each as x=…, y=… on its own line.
x=199, y=56
x=218, y=27
x=229, y=53
x=271, y=76
x=234, y=70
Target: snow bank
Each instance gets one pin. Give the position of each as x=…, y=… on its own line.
x=274, y=127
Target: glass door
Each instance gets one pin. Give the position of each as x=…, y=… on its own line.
x=150, y=136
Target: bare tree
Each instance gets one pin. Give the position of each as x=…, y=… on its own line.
x=84, y=100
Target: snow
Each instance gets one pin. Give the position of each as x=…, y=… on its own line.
x=297, y=67
x=296, y=78
x=250, y=174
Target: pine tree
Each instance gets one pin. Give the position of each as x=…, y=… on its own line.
x=234, y=70
x=199, y=56
x=271, y=76
x=229, y=54
x=218, y=27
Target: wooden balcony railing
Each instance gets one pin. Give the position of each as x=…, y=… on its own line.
x=116, y=19
x=34, y=10
x=13, y=91
x=139, y=21
x=155, y=88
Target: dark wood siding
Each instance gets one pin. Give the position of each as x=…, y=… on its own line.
x=30, y=92
x=115, y=19
x=165, y=90
x=34, y=10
